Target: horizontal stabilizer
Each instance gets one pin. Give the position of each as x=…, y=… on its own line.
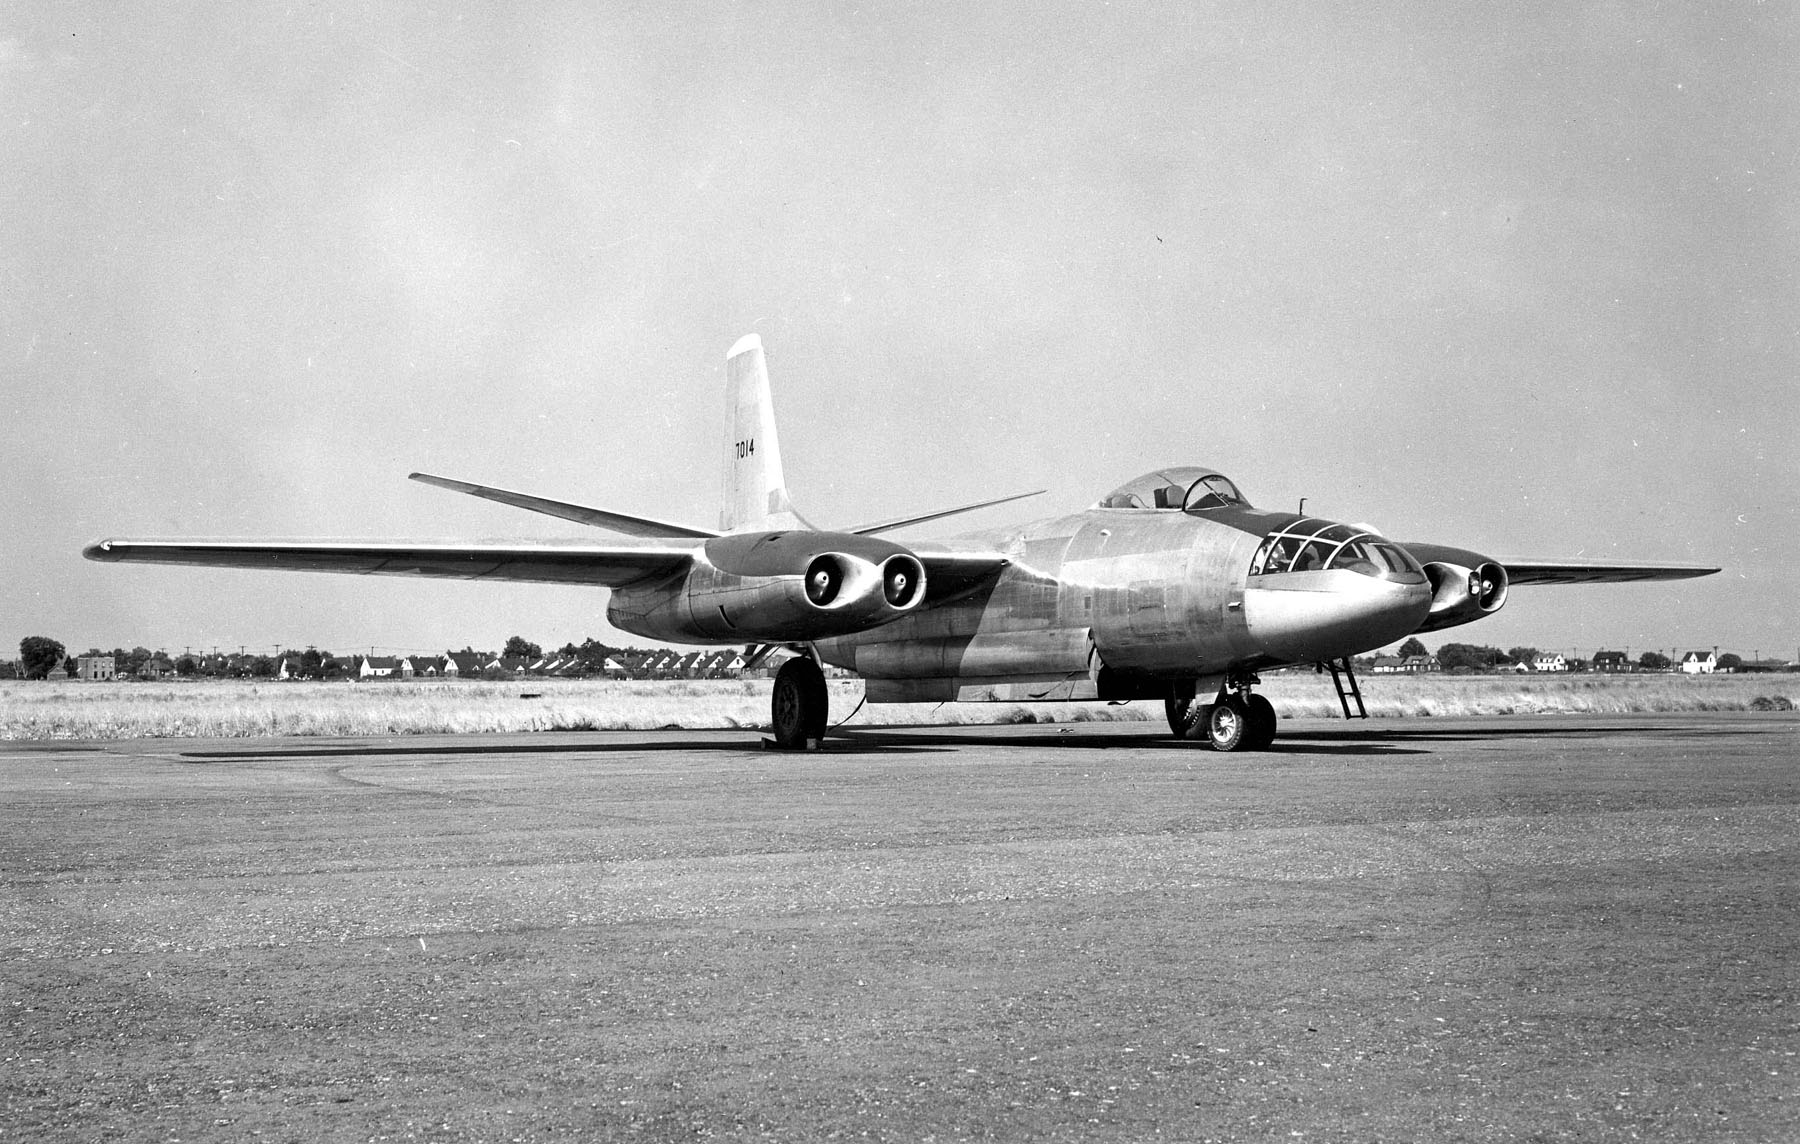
x=902, y=522
x=595, y=517
x=1526, y=571
x=546, y=561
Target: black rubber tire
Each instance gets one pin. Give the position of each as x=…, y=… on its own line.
x=1198, y=716
x=1228, y=725
x=1176, y=708
x=798, y=704
x=1261, y=714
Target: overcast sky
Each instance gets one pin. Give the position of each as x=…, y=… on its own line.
x=1517, y=277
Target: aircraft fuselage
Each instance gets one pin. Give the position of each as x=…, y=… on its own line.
x=1107, y=603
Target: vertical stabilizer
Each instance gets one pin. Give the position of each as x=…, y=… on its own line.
x=756, y=496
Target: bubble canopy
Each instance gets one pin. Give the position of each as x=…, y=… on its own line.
x=1188, y=488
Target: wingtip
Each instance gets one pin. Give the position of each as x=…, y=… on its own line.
x=99, y=550
x=744, y=345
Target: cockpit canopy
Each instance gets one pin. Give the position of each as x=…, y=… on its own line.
x=1311, y=545
x=1188, y=488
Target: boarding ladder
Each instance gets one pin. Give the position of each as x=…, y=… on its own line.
x=1343, y=677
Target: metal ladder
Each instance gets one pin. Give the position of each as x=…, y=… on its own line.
x=1343, y=677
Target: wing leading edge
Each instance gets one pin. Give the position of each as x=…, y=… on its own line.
x=619, y=564
x=1527, y=571
x=612, y=565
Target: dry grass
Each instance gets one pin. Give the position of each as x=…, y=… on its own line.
x=1299, y=695
x=233, y=709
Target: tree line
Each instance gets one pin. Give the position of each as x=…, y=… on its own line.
x=1479, y=657
x=40, y=655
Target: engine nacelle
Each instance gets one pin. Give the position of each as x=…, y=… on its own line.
x=1465, y=586
x=778, y=587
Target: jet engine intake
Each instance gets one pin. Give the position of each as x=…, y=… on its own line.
x=825, y=579
x=778, y=586
x=902, y=581
x=1463, y=591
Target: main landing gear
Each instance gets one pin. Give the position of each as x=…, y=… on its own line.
x=798, y=705
x=1237, y=720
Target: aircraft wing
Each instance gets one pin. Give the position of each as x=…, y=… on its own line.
x=1528, y=571
x=903, y=521
x=546, y=561
x=581, y=514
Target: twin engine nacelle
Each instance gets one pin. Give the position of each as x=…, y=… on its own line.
x=803, y=585
x=1465, y=586
x=841, y=581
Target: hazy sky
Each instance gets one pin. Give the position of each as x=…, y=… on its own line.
x=1518, y=277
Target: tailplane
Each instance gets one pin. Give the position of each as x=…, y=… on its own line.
x=756, y=497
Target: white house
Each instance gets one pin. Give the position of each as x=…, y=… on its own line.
x=1550, y=661
x=384, y=667
x=1699, y=663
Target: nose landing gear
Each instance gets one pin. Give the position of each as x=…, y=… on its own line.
x=1237, y=720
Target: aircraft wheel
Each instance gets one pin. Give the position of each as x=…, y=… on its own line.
x=1179, y=712
x=1260, y=714
x=1228, y=726
x=798, y=706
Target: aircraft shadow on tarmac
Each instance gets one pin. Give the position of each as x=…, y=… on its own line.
x=1067, y=738
x=749, y=745
x=910, y=740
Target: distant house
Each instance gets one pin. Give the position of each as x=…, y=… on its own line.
x=513, y=664
x=657, y=663
x=429, y=666
x=1550, y=661
x=730, y=665
x=720, y=665
x=1420, y=665
x=96, y=667
x=466, y=665
x=1612, y=661
x=156, y=667
x=1699, y=663
x=385, y=667
x=1387, y=665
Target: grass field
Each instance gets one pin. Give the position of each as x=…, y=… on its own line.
x=240, y=709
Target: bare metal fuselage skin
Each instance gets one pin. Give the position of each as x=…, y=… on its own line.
x=1104, y=603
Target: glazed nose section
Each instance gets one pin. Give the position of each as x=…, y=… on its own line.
x=1313, y=616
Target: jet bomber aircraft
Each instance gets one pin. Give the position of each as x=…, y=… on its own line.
x=1172, y=587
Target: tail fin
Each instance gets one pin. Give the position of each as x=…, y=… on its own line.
x=756, y=496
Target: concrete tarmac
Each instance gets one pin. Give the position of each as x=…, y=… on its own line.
x=1474, y=929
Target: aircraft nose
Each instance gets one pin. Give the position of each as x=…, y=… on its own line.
x=1308, y=616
